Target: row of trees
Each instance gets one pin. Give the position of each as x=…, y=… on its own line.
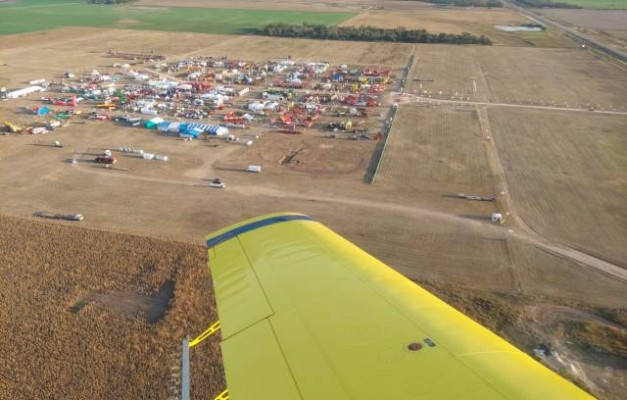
x=368, y=34
x=467, y=3
x=546, y=4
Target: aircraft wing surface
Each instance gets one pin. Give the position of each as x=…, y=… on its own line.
x=306, y=314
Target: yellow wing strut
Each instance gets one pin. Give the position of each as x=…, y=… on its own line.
x=208, y=332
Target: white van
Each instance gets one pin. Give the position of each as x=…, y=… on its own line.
x=253, y=168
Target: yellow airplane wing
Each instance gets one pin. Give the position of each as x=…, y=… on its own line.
x=305, y=314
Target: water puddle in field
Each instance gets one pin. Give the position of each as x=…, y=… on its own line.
x=520, y=28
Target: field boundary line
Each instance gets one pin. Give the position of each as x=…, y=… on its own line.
x=393, y=112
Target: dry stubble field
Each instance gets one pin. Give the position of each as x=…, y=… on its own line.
x=563, y=77
x=567, y=175
x=437, y=152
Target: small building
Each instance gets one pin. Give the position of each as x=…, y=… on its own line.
x=25, y=91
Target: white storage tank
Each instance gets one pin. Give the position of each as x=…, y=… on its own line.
x=161, y=157
x=148, y=156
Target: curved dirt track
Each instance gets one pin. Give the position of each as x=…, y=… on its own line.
x=527, y=234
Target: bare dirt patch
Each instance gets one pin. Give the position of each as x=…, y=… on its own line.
x=152, y=308
x=281, y=154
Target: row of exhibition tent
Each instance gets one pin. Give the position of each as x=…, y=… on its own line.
x=186, y=129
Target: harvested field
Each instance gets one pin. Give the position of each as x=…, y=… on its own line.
x=453, y=71
x=439, y=152
x=567, y=176
x=76, y=311
x=583, y=79
x=335, y=52
x=519, y=76
x=477, y=21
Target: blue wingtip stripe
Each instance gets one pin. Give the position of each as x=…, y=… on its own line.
x=214, y=241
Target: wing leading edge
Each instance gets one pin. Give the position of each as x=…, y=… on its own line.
x=307, y=314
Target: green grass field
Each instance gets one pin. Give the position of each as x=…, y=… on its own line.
x=37, y=15
x=602, y=4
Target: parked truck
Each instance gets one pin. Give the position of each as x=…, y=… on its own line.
x=105, y=159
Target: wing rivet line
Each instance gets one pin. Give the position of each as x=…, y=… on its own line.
x=414, y=346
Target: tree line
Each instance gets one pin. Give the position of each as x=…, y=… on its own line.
x=368, y=34
x=466, y=3
x=546, y=4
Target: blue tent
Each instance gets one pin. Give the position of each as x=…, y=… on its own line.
x=42, y=110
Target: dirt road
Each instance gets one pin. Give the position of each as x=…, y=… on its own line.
x=526, y=234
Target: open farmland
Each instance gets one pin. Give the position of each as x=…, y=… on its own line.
x=477, y=21
x=504, y=276
x=92, y=314
x=23, y=18
x=567, y=176
x=519, y=76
